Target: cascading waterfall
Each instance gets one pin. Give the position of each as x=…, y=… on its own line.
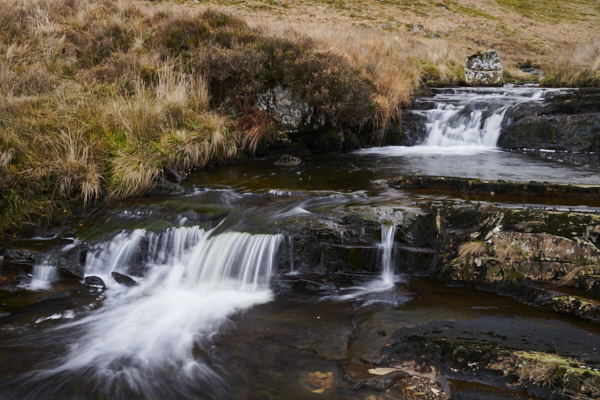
x=375, y=290
x=472, y=117
x=194, y=280
x=449, y=126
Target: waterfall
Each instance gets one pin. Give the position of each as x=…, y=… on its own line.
x=388, y=232
x=448, y=125
x=46, y=272
x=194, y=281
x=472, y=116
x=42, y=276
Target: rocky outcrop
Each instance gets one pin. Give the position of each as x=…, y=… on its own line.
x=564, y=127
x=540, y=373
x=484, y=69
x=291, y=113
x=578, y=133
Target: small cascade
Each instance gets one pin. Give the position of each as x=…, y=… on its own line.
x=193, y=281
x=380, y=290
x=291, y=246
x=42, y=276
x=388, y=232
x=46, y=272
x=114, y=255
x=448, y=126
x=472, y=116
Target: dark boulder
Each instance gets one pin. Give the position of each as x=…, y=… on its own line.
x=565, y=126
x=123, y=279
x=94, y=283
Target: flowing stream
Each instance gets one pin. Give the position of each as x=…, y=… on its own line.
x=201, y=318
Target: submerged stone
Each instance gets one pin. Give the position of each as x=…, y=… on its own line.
x=288, y=160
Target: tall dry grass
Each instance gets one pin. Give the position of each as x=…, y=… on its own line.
x=69, y=158
x=90, y=106
x=574, y=65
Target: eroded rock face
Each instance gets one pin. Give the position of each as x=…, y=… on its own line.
x=291, y=113
x=484, y=69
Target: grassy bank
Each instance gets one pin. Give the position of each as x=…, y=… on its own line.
x=99, y=98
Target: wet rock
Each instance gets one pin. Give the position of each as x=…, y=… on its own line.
x=175, y=175
x=20, y=259
x=94, y=283
x=384, y=382
x=292, y=114
x=577, y=306
x=67, y=255
x=288, y=160
x=494, y=188
x=564, y=127
x=165, y=188
x=507, y=251
x=320, y=382
x=123, y=279
x=21, y=279
x=55, y=297
x=347, y=245
x=538, y=373
x=484, y=69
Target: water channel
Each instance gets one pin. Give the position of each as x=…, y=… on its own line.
x=211, y=315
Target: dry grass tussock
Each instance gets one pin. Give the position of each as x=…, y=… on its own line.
x=91, y=105
x=511, y=255
x=575, y=65
x=472, y=249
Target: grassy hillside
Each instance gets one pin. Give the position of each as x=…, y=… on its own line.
x=561, y=36
x=98, y=98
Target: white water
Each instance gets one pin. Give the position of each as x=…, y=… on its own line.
x=375, y=290
x=45, y=273
x=42, y=276
x=388, y=232
x=193, y=283
x=448, y=126
x=473, y=117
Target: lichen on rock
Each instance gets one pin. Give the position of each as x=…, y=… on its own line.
x=484, y=69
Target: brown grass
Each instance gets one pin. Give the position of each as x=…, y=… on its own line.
x=510, y=255
x=575, y=65
x=254, y=127
x=472, y=249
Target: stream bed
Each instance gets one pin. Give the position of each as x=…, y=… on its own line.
x=217, y=305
